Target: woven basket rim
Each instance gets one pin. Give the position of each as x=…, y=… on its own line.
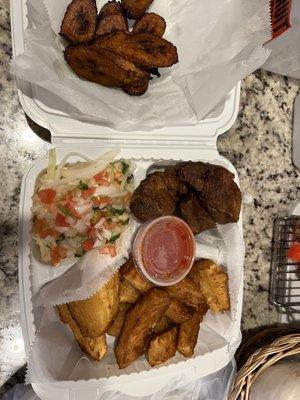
x=260, y=360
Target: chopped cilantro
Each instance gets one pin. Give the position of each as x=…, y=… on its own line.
x=117, y=211
x=60, y=238
x=114, y=237
x=79, y=254
x=125, y=222
x=125, y=167
x=82, y=185
x=64, y=210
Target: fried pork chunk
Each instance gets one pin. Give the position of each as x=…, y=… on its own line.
x=139, y=324
x=79, y=22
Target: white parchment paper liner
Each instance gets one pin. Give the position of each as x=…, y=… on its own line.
x=219, y=43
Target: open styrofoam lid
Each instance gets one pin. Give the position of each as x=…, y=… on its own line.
x=50, y=111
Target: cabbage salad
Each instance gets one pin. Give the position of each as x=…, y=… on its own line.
x=81, y=206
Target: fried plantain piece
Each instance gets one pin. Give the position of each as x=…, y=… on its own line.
x=138, y=326
x=131, y=275
x=111, y=18
x=188, y=332
x=143, y=49
x=214, y=285
x=136, y=89
x=111, y=23
x=128, y=293
x=162, y=325
x=94, y=315
x=162, y=347
x=178, y=312
x=79, y=22
x=111, y=8
x=187, y=292
x=195, y=215
x=136, y=8
x=103, y=67
x=150, y=23
x=118, y=321
x=96, y=348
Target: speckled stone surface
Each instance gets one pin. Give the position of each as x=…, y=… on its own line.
x=259, y=145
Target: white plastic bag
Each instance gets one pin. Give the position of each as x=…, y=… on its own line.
x=285, y=56
x=213, y=387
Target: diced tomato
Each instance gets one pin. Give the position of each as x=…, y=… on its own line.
x=108, y=249
x=92, y=233
x=49, y=232
x=294, y=251
x=85, y=194
x=61, y=221
x=109, y=225
x=101, y=176
x=103, y=182
x=98, y=201
x=39, y=226
x=88, y=245
x=47, y=195
x=55, y=257
x=62, y=251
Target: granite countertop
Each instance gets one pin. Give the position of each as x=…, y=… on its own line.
x=258, y=145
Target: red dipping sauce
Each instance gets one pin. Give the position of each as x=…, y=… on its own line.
x=164, y=250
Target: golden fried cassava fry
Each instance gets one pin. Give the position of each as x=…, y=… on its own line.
x=136, y=8
x=162, y=347
x=128, y=293
x=103, y=67
x=188, y=332
x=187, y=292
x=129, y=272
x=94, y=347
x=150, y=23
x=138, y=326
x=94, y=315
x=162, y=325
x=214, y=285
x=79, y=22
x=118, y=321
x=179, y=312
x=144, y=49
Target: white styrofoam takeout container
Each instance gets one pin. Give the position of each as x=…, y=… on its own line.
x=178, y=143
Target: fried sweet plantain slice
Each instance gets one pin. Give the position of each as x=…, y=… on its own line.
x=138, y=326
x=144, y=49
x=111, y=23
x=188, y=332
x=118, y=321
x=136, y=8
x=130, y=273
x=136, y=89
x=111, y=18
x=178, y=312
x=162, y=347
x=187, y=292
x=128, y=293
x=79, y=22
x=150, y=23
x=214, y=285
x=94, y=315
x=94, y=347
x=102, y=66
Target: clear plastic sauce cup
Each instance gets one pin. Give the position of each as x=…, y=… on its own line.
x=164, y=250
